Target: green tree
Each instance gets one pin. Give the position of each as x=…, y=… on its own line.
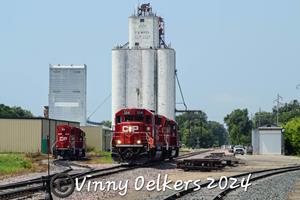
x=107, y=123
x=292, y=136
x=288, y=111
x=196, y=130
x=263, y=118
x=14, y=112
x=218, y=132
x=239, y=126
x=191, y=126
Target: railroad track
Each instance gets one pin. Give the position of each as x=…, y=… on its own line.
x=29, y=187
x=187, y=155
x=23, y=188
x=219, y=194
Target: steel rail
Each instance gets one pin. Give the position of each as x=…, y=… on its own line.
x=93, y=174
x=190, y=190
x=226, y=191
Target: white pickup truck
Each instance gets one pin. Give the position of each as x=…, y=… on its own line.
x=239, y=149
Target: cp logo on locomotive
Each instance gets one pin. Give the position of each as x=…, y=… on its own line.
x=132, y=129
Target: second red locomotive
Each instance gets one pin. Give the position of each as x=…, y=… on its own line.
x=70, y=142
x=141, y=135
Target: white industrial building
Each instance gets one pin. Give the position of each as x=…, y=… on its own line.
x=67, y=92
x=143, y=70
x=268, y=140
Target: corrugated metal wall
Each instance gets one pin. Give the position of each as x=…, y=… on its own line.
x=49, y=128
x=20, y=135
x=67, y=92
x=28, y=135
x=93, y=137
x=108, y=136
x=270, y=142
x=97, y=137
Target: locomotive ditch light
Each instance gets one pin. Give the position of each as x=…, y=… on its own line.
x=148, y=128
x=138, y=141
x=119, y=141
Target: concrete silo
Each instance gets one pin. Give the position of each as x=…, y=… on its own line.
x=166, y=82
x=119, y=58
x=149, y=77
x=143, y=70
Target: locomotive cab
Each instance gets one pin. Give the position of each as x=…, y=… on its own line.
x=139, y=136
x=133, y=135
x=70, y=142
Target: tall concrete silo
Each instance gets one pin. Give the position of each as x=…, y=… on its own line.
x=166, y=82
x=119, y=58
x=149, y=92
x=143, y=70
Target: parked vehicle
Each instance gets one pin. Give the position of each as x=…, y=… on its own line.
x=230, y=149
x=239, y=149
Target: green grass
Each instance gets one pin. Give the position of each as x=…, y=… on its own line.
x=98, y=157
x=104, y=160
x=13, y=163
x=185, y=150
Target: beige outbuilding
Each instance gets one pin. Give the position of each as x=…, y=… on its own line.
x=98, y=137
x=28, y=135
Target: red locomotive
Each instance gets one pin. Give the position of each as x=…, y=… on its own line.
x=70, y=142
x=141, y=136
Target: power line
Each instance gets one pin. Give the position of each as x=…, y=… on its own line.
x=99, y=106
x=182, y=97
x=279, y=103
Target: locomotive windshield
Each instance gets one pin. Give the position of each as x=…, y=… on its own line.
x=133, y=118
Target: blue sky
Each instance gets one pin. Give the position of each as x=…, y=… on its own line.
x=230, y=54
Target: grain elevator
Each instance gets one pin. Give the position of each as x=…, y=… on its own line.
x=143, y=70
x=67, y=92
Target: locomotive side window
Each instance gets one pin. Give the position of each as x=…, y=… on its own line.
x=148, y=120
x=158, y=121
x=118, y=119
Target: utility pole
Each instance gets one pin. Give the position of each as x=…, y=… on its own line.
x=278, y=101
x=259, y=115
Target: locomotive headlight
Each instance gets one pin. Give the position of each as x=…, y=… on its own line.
x=138, y=141
x=119, y=141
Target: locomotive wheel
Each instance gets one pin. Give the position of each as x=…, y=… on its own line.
x=177, y=152
x=152, y=154
x=54, y=154
x=170, y=154
x=83, y=153
x=164, y=154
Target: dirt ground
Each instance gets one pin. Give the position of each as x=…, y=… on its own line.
x=248, y=163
